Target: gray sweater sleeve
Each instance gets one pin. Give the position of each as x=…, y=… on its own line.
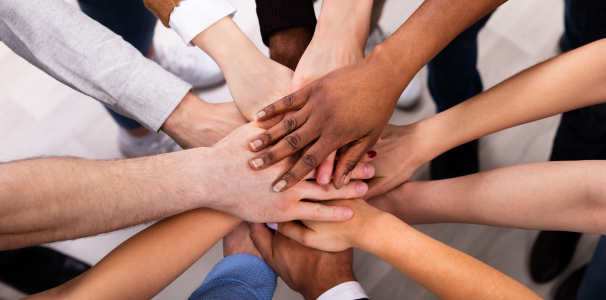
x=76, y=50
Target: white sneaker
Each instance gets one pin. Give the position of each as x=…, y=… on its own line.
x=148, y=144
x=412, y=94
x=190, y=64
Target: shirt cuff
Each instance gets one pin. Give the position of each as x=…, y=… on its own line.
x=190, y=17
x=345, y=291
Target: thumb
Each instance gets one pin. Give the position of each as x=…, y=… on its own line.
x=262, y=238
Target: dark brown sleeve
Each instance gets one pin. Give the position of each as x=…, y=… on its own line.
x=162, y=9
x=276, y=15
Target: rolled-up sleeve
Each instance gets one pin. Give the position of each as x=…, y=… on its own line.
x=81, y=53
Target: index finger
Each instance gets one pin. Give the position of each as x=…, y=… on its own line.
x=291, y=102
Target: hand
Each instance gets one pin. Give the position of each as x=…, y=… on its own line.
x=238, y=241
x=307, y=271
x=400, y=154
x=337, y=236
x=258, y=82
x=195, y=123
x=335, y=110
x=242, y=192
x=253, y=79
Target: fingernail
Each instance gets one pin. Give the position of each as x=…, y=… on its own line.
x=273, y=226
x=342, y=181
x=260, y=115
x=372, y=154
x=257, y=162
x=279, y=186
x=257, y=143
x=369, y=169
x=361, y=187
x=348, y=213
x=325, y=178
x=348, y=178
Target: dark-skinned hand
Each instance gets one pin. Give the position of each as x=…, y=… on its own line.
x=349, y=106
x=307, y=271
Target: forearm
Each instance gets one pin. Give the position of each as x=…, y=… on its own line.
x=234, y=53
x=54, y=199
x=568, y=196
x=344, y=21
x=88, y=57
x=569, y=81
x=145, y=264
x=430, y=28
x=444, y=271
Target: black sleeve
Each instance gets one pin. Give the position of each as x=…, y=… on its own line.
x=276, y=15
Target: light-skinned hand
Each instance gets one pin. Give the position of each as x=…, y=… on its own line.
x=243, y=192
x=336, y=236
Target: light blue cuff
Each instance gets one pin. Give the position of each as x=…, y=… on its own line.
x=238, y=276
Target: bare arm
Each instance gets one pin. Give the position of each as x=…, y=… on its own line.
x=444, y=271
x=570, y=81
x=568, y=196
x=146, y=263
x=52, y=199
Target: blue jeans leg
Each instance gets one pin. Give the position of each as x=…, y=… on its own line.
x=594, y=281
x=129, y=19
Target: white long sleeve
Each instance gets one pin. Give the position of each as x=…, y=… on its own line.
x=190, y=17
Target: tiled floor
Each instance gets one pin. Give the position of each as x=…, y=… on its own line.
x=40, y=116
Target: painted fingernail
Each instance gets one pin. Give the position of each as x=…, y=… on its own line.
x=325, y=178
x=279, y=186
x=372, y=154
x=257, y=162
x=348, y=213
x=257, y=143
x=342, y=181
x=369, y=169
x=361, y=187
x=260, y=115
x=273, y=226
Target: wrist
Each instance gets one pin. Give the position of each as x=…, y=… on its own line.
x=227, y=45
x=287, y=46
x=374, y=232
x=197, y=178
x=324, y=284
x=179, y=124
x=346, y=22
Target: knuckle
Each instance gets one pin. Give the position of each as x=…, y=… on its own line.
x=288, y=101
x=350, y=165
x=316, y=212
x=290, y=177
x=294, y=141
x=269, y=157
x=267, y=137
x=290, y=124
x=270, y=109
x=310, y=160
x=327, y=116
